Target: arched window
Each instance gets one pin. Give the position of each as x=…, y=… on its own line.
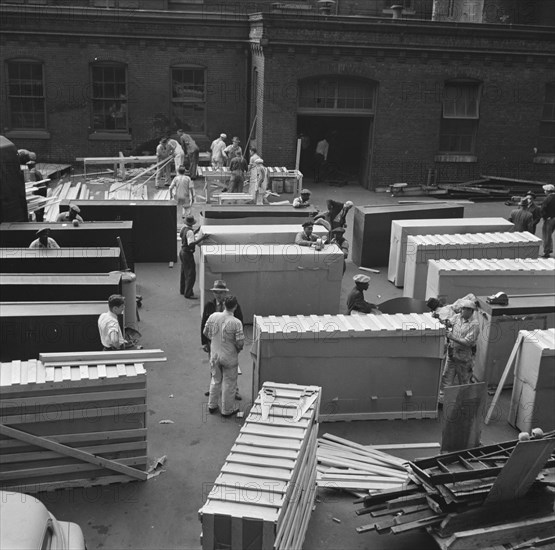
x=460, y=116
x=188, y=98
x=26, y=94
x=336, y=94
x=109, y=97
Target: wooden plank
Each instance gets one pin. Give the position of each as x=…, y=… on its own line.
x=69, y=451
x=463, y=410
x=106, y=357
x=521, y=470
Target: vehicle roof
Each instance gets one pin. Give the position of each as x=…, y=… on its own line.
x=22, y=521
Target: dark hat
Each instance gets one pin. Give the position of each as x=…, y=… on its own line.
x=43, y=231
x=75, y=207
x=220, y=285
x=190, y=220
x=531, y=194
x=308, y=223
x=433, y=303
x=524, y=202
x=338, y=230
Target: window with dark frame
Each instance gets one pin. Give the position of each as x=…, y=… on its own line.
x=109, y=97
x=26, y=97
x=460, y=117
x=547, y=124
x=188, y=99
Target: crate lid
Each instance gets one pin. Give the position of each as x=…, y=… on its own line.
x=495, y=265
x=458, y=239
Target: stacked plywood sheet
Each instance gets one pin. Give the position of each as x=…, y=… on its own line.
x=304, y=279
x=74, y=420
x=369, y=366
x=534, y=382
x=423, y=248
x=451, y=279
x=401, y=229
x=264, y=494
x=255, y=234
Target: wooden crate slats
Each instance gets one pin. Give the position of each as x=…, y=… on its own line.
x=268, y=481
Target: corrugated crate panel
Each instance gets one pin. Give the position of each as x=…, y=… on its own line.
x=543, y=339
x=263, y=485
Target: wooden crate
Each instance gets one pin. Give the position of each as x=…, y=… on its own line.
x=370, y=367
x=255, y=234
x=60, y=260
x=422, y=248
x=264, y=494
x=499, y=329
x=534, y=382
x=87, y=234
x=275, y=279
x=28, y=287
x=452, y=279
x=74, y=422
x=372, y=227
x=254, y=214
x=401, y=229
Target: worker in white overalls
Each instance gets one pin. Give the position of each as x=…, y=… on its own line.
x=258, y=181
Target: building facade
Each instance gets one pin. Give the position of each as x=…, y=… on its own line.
x=440, y=90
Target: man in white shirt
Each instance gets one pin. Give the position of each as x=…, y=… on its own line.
x=218, y=155
x=111, y=335
x=163, y=153
x=177, y=152
x=43, y=240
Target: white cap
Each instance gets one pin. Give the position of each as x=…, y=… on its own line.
x=361, y=278
x=223, y=136
x=549, y=188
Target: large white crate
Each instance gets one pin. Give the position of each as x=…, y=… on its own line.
x=452, y=279
x=401, y=229
x=255, y=234
x=275, y=279
x=369, y=366
x=422, y=248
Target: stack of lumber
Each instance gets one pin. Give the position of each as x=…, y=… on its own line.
x=264, y=495
x=74, y=420
x=126, y=191
x=343, y=464
x=35, y=202
x=64, y=191
x=475, y=498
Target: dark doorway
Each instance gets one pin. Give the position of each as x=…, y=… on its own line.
x=349, y=145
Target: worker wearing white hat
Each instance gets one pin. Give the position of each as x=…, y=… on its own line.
x=547, y=212
x=462, y=336
x=217, y=149
x=356, y=304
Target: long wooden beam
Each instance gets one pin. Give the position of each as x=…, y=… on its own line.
x=73, y=358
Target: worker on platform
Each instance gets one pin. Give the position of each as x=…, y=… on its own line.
x=110, y=331
x=227, y=339
x=187, y=256
x=303, y=200
x=258, y=182
x=548, y=215
x=183, y=190
x=72, y=215
x=462, y=335
x=217, y=304
x=163, y=155
x=356, y=304
x=44, y=240
x=306, y=237
x=231, y=151
x=522, y=217
x=192, y=150
x=217, y=152
x=534, y=209
x=238, y=167
x=178, y=153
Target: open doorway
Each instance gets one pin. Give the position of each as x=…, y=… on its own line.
x=350, y=148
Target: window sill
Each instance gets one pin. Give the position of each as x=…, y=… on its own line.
x=450, y=157
x=544, y=159
x=110, y=136
x=28, y=134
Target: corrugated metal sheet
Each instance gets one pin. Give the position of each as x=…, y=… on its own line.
x=338, y=326
x=34, y=372
x=458, y=239
x=521, y=264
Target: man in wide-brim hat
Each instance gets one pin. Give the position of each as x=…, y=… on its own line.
x=219, y=291
x=44, y=240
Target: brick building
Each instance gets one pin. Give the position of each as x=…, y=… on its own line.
x=459, y=87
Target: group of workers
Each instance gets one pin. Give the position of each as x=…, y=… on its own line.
x=528, y=215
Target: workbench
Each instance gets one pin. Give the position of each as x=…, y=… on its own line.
x=154, y=224
x=57, y=287
x=275, y=279
x=499, y=328
x=119, y=162
x=372, y=227
x=86, y=234
x=423, y=248
x=453, y=279
x=59, y=260
x=29, y=328
x=370, y=367
x=255, y=234
x=401, y=229
x=255, y=215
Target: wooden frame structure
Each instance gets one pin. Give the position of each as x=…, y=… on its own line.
x=74, y=420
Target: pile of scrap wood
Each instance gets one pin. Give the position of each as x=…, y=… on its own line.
x=64, y=191
x=491, y=187
x=346, y=465
x=35, y=202
x=476, y=498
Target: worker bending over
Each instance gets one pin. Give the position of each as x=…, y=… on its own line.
x=356, y=304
